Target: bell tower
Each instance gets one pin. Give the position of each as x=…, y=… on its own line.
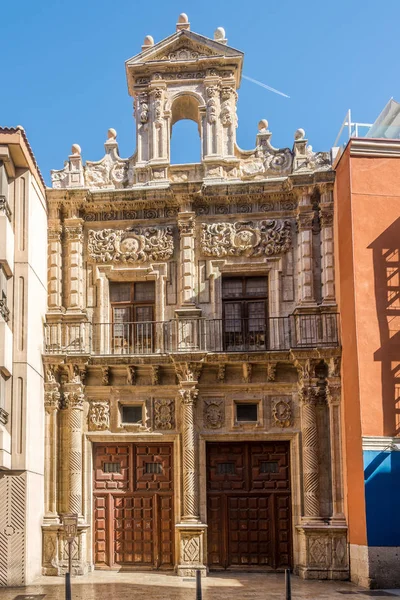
x=185, y=76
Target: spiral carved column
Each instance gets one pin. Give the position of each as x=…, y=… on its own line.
x=188, y=396
x=308, y=397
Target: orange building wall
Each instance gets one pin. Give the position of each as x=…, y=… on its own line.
x=367, y=242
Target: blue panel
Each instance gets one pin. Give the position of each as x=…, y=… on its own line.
x=382, y=496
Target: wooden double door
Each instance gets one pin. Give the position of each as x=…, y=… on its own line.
x=248, y=505
x=133, y=506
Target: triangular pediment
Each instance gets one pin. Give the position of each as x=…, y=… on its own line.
x=183, y=46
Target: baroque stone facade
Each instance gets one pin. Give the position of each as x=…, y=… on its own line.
x=192, y=314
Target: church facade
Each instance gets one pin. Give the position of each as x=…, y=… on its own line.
x=192, y=352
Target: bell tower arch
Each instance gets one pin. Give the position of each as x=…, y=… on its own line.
x=185, y=76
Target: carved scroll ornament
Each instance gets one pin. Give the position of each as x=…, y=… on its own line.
x=99, y=416
x=250, y=238
x=135, y=244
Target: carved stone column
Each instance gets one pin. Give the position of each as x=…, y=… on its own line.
x=54, y=267
x=74, y=254
x=188, y=395
x=305, y=219
x=309, y=431
x=333, y=393
x=308, y=397
x=211, y=132
x=72, y=452
x=52, y=404
x=191, y=530
x=327, y=255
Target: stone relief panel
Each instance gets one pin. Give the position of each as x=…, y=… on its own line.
x=282, y=411
x=247, y=238
x=134, y=244
x=99, y=416
x=164, y=413
x=214, y=413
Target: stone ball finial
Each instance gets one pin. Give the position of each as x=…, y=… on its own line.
x=219, y=33
x=111, y=134
x=183, y=22
x=76, y=150
x=299, y=134
x=148, y=42
x=263, y=125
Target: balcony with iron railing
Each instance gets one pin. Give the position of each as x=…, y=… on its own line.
x=191, y=335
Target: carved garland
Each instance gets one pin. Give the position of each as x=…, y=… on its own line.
x=135, y=244
x=249, y=238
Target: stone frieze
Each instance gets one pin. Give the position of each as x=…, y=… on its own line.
x=134, y=244
x=249, y=238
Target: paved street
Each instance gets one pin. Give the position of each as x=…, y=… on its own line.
x=231, y=586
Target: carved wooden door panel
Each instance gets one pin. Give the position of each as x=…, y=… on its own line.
x=133, y=505
x=248, y=505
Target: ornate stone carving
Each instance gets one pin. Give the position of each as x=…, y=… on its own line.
x=73, y=399
x=144, y=107
x=221, y=373
x=271, y=371
x=318, y=551
x=247, y=369
x=186, y=226
x=258, y=238
x=134, y=244
x=188, y=371
x=214, y=413
x=52, y=397
x=164, y=413
x=105, y=375
x=155, y=375
x=131, y=375
x=190, y=548
x=282, y=412
x=212, y=91
x=188, y=395
x=99, y=416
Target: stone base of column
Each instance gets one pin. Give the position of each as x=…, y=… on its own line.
x=191, y=549
x=323, y=552
x=55, y=551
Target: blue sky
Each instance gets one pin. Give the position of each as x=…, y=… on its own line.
x=63, y=75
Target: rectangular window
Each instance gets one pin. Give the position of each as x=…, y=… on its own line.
x=228, y=468
x=245, y=313
x=269, y=466
x=132, y=414
x=154, y=467
x=132, y=308
x=247, y=412
x=109, y=467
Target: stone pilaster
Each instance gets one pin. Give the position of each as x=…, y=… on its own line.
x=327, y=256
x=305, y=219
x=73, y=231
x=333, y=393
x=52, y=404
x=54, y=267
x=186, y=226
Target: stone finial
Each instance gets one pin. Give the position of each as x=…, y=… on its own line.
x=263, y=125
x=299, y=134
x=111, y=142
x=183, y=22
x=219, y=35
x=76, y=150
x=148, y=42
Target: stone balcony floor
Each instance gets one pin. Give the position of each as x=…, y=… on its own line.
x=161, y=586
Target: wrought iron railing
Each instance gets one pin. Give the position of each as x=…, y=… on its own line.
x=191, y=335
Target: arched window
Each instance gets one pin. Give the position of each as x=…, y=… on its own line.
x=185, y=144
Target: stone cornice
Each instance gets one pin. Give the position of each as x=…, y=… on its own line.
x=378, y=148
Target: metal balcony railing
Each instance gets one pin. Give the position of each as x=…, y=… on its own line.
x=190, y=335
